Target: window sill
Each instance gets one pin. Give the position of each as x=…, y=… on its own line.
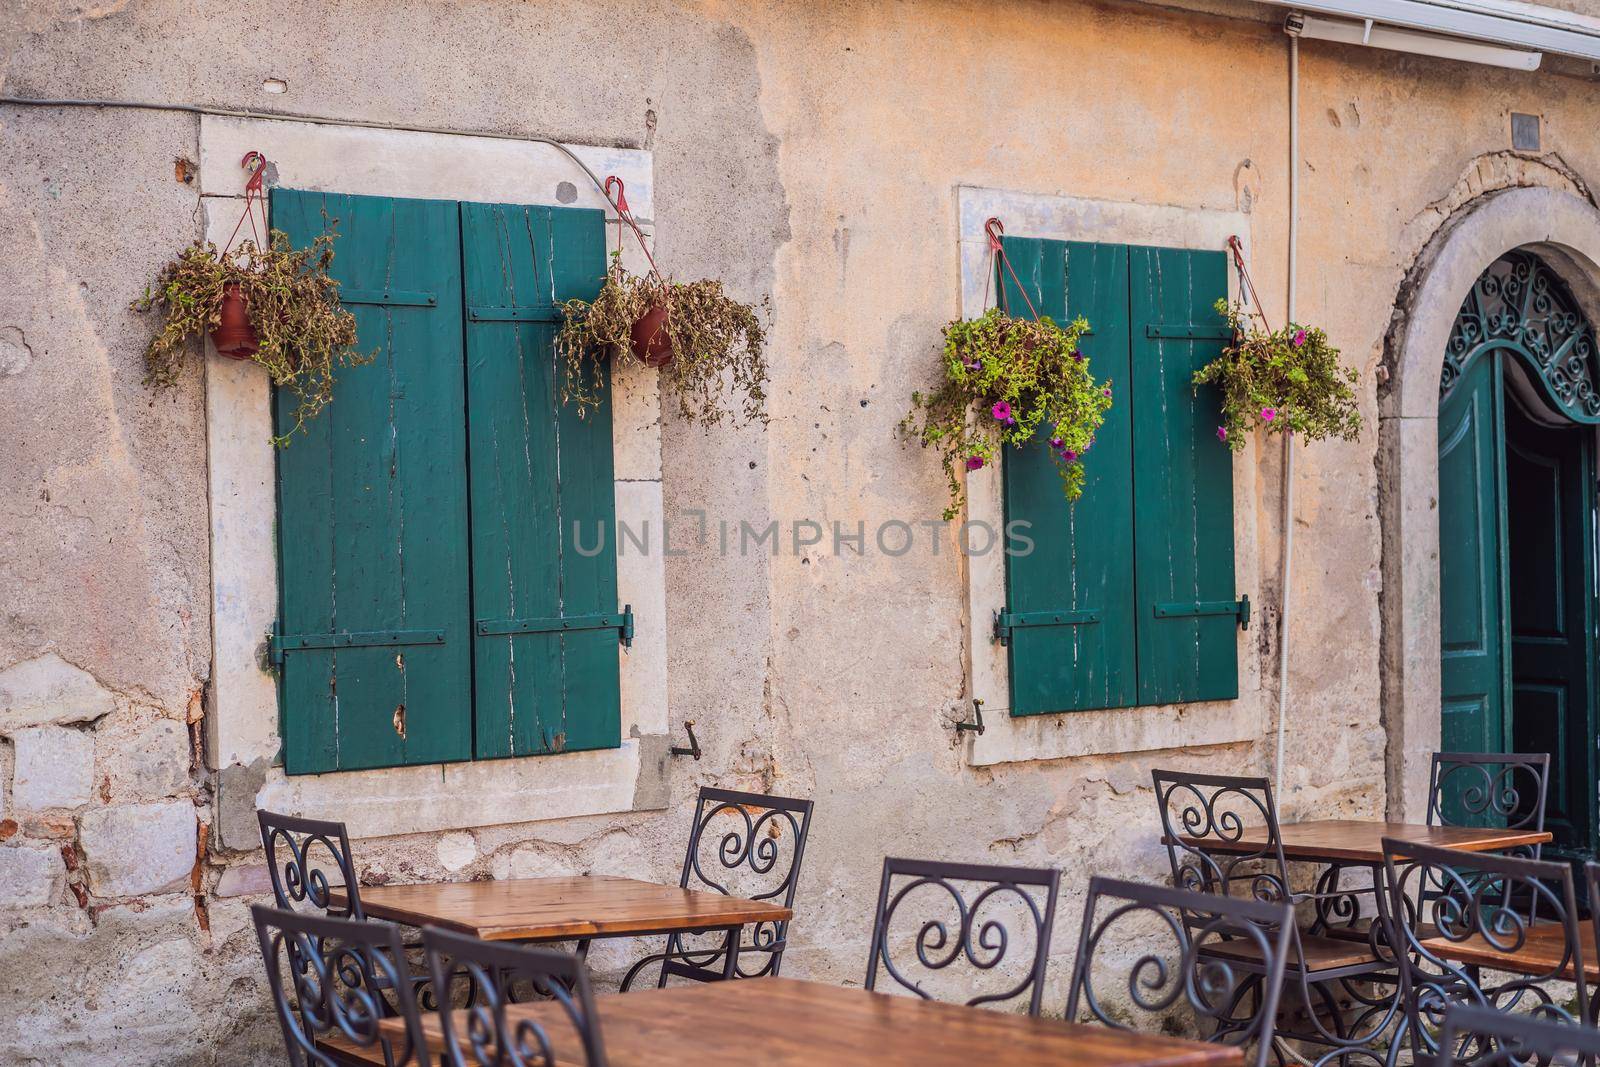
x=455, y=796
x=1092, y=733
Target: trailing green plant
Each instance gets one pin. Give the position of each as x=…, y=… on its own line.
x=1003, y=378
x=712, y=336
x=292, y=303
x=1281, y=380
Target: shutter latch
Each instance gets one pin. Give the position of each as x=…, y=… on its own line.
x=1007, y=621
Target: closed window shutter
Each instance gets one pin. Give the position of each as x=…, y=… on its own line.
x=1182, y=481
x=542, y=490
x=372, y=503
x=1073, y=593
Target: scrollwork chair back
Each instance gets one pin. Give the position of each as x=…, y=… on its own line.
x=959, y=913
x=744, y=844
x=1440, y=897
x=1158, y=937
x=484, y=1033
x=1483, y=1037
x=1494, y=789
x=303, y=857
x=329, y=979
x=1204, y=817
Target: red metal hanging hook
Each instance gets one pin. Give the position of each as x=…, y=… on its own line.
x=621, y=198
x=996, y=230
x=256, y=164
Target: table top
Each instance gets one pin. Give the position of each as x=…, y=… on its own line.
x=781, y=1022
x=562, y=909
x=1539, y=954
x=1361, y=840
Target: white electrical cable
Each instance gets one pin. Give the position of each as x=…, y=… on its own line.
x=1288, y=438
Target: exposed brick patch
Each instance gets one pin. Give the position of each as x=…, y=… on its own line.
x=8, y=829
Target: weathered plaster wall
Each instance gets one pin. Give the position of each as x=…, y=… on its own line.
x=806, y=151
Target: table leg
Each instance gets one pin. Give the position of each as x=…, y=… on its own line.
x=730, y=966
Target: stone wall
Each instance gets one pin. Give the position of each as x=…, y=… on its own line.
x=807, y=152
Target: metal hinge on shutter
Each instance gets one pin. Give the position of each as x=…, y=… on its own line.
x=1240, y=609
x=1007, y=621
x=622, y=622
x=283, y=644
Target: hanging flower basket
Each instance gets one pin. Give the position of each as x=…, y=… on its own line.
x=1004, y=377
x=694, y=332
x=649, y=338
x=272, y=304
x=1281, y=381
x=234, y=337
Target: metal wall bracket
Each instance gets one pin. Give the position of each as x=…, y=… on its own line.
x=285, y=643
x=1240, y=609
x=622, y=622
x=1007, y=621
x=693, y=748
x=976, y=725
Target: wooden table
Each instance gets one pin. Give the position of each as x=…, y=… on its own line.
x=1539, y=954
x=562, y=909
x=781, y=1022
x=1360, y=841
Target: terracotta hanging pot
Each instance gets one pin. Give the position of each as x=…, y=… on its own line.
x=234, y=336
x=651, y=342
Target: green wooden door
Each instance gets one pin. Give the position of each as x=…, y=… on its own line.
x=1081, y=565
x=1474, y=663
x=372, y=508
x=542, y=490
x=1183, y=481
x=1549, y=527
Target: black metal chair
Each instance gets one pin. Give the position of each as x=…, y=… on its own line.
x=1485, y=903
x=313, y=847
x=959, y=910
x=1171, y=930
x=749, y=835
x=301, y=853
x=1483, y=1037
x=341, y=973
x=1342, y=987
x=1489, y=789
x=481, y=1033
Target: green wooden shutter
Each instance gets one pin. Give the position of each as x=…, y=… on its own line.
x=1182, y=481
x=372, y=511
x=1073, y=593
x=542, y=490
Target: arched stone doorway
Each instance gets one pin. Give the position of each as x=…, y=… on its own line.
x=1563, y=231
x=1519, y=401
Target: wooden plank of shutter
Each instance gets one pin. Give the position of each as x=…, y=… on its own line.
x=542, y=488
x=1081, y=564
x=372, y=509
x=1182, y=478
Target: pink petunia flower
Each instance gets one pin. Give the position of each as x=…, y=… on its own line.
x=1299, y=338
x=1222, y=433
x=1268, y=414
x=1001, y=411
x=974, y=462
x=1069, y=455
x=1055, y=442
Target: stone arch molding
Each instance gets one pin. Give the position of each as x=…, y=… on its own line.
x=1561, y=227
